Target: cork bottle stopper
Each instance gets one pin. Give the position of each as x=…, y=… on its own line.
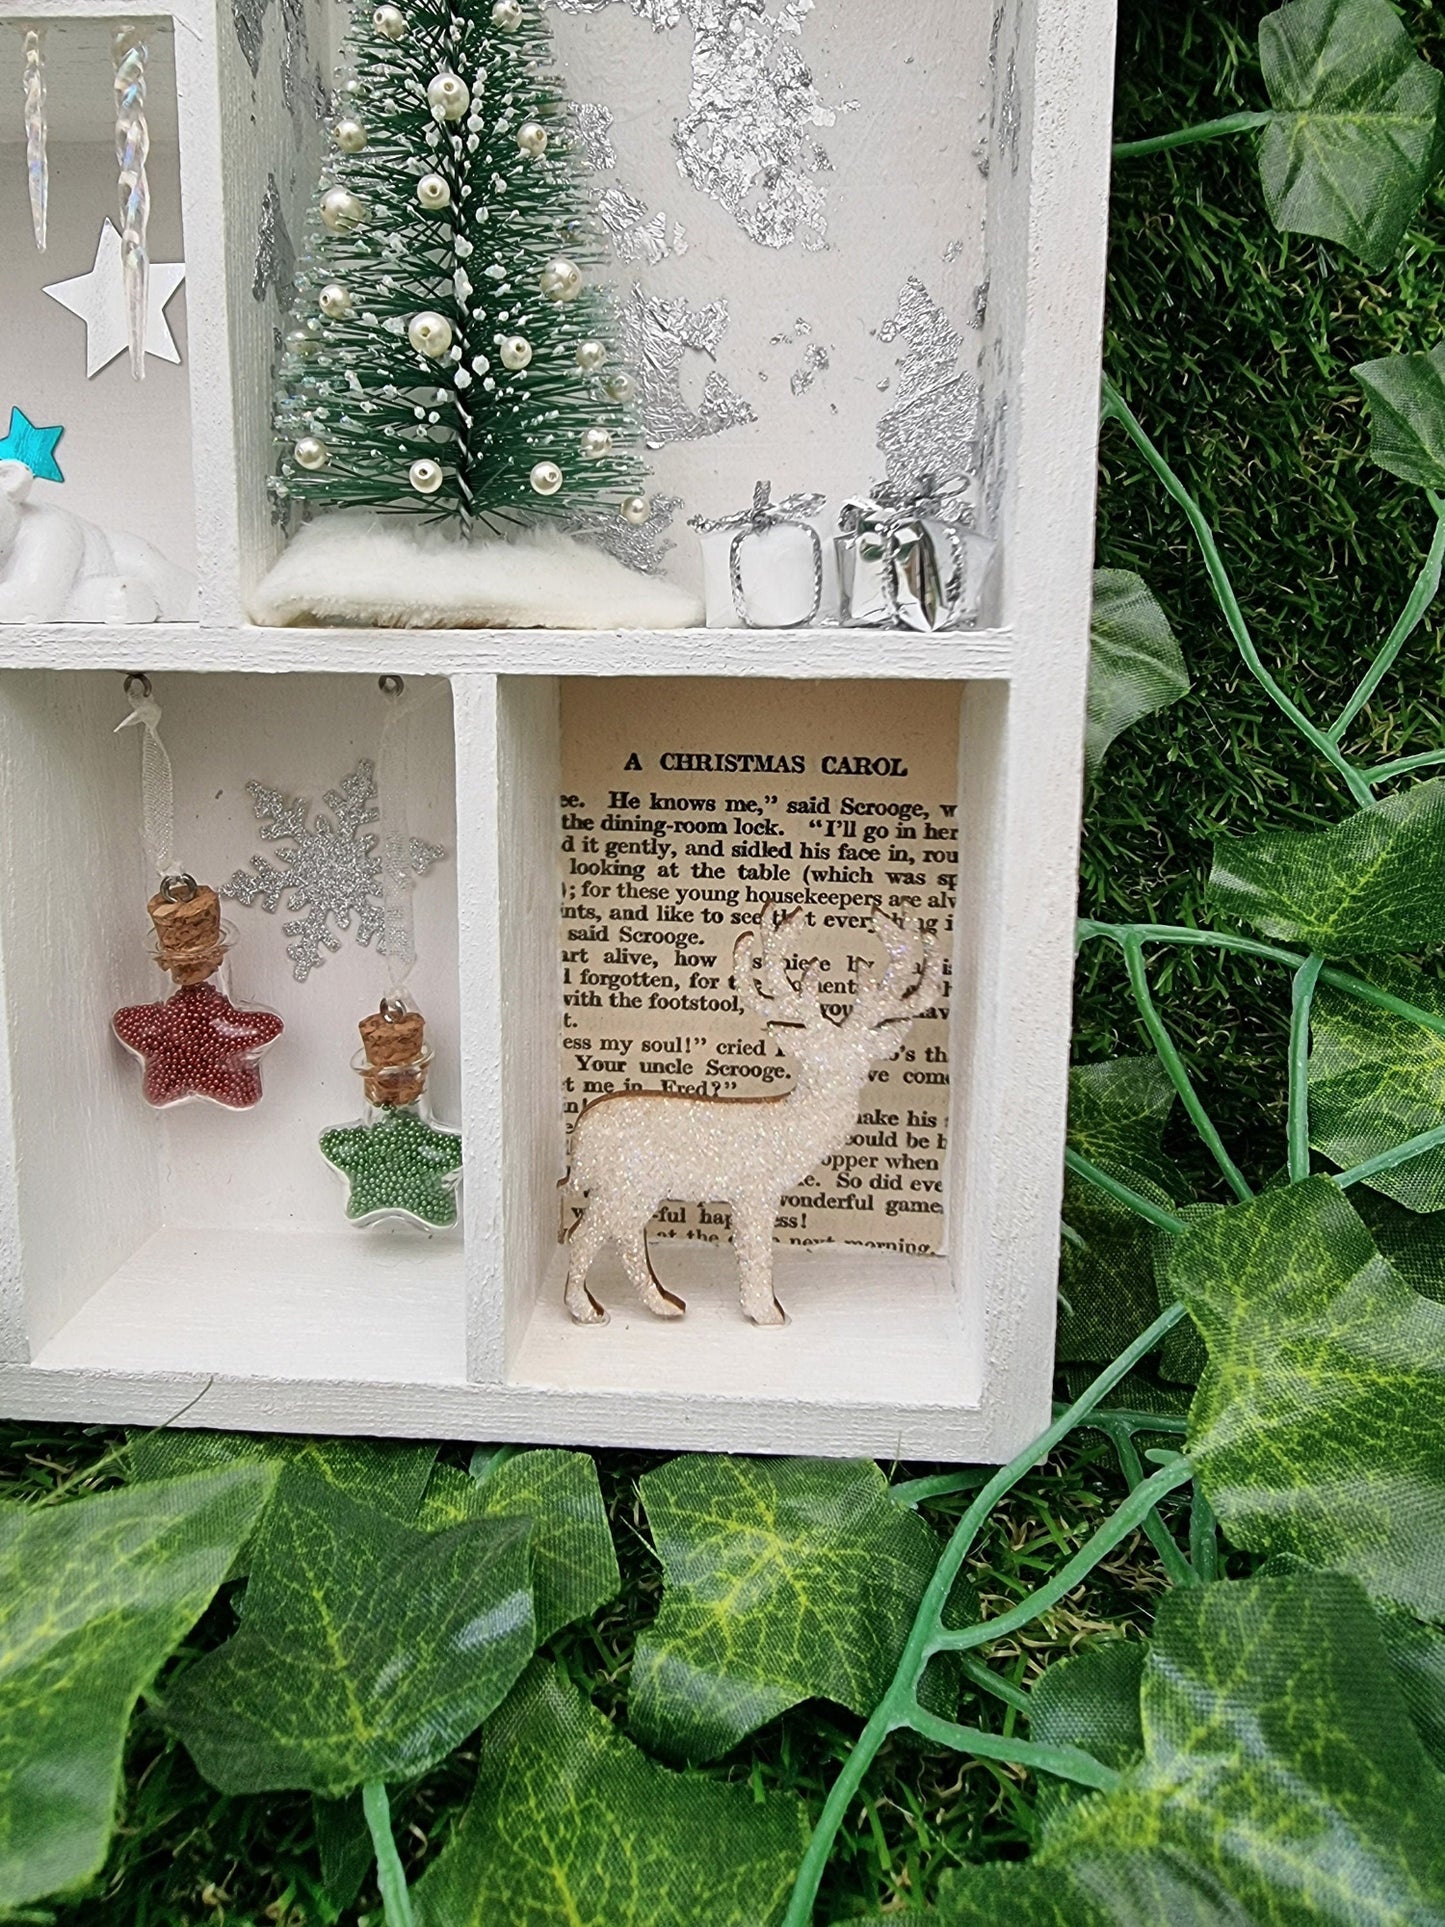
x=394, y=1048
x=188, y=931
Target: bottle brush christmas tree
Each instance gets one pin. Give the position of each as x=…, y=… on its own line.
x=448, y=353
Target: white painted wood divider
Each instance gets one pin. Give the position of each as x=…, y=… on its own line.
x=151, y=1262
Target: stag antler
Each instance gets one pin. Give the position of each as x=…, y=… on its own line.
x=912, y=980
x=776, y=999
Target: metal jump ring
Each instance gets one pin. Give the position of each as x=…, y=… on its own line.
x=138, y=683
x=392, y=1009
x=390, y=685
x=178, y=887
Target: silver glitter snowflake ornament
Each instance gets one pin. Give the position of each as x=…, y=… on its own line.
x=330, y=874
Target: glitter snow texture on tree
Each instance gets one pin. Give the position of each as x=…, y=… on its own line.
x=449, y=351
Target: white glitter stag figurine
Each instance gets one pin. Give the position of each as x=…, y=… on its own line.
x=633, y=1150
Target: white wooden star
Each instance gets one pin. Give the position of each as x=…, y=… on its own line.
x=99, y=299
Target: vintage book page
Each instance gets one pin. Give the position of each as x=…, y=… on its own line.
x=687, y=806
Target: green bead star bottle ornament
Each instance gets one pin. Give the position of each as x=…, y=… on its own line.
x=399, y=1166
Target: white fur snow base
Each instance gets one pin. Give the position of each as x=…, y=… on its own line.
x=391, y=572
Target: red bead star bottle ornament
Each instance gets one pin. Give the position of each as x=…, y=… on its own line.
x=198, y=1042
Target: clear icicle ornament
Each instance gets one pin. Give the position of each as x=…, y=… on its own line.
x=132, y=145
x=37, y=160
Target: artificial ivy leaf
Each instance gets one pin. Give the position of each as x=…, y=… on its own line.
x=1350, y=148
x=94, y=1595
x=1135, y=665
x=1319, y=1425
x=1414, y=1245
x=343, y=1846
x=367, y=1649
x=1281, y=1784
x=570, y=1823
x=786, y=1579
x=1374, y=883
x=391, y=1476
x=1417, y=1654
x=1092, y=1702
x=574, y=1565
x=1405, y=400
x=1376, y=1080
x=1106, y=1278
x=1117, y=1113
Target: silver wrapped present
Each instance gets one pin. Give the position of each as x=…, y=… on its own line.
x=902, y=564
x=770, y=566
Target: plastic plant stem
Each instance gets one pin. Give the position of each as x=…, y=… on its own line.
x=1382, y=772
x=1180, y=1572
x=1427, y=587
x=1173, y=1063
x=1165, y=1423
x=1141, y=1207
x=1115, y=408
x=918, y=1649
x=1203, y=1544
x=1387, y=1160
x=1206, y=130
x=938, y=1485
x=1064, y=1762
x=983, y=1675
x=1188, y=937
x=395, y=1899
x=1301, y=998
x=1128, y=1518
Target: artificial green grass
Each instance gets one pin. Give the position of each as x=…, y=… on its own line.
x=1234, y=346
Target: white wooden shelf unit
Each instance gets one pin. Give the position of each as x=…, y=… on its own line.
x=151, y=1262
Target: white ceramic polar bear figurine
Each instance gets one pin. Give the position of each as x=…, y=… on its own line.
x=55, y=567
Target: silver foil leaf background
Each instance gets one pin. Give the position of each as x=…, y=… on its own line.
x=655, y=334
x=816, y=360
x=643, y=546
x=249, y=19
x=592, y=133
x=636, y=235
x=934, y=424
x=747, y=139
x=275, y=268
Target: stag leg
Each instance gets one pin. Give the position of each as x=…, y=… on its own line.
x=585, y=1240
x=633, y=1246
x=753, y=1242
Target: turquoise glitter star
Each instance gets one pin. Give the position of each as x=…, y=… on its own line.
x=400, y=1166
x=33, y=446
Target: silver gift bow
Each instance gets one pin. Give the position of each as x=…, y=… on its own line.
x=897, y=517
x=792, y=512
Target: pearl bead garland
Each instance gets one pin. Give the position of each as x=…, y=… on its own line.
x=430, y=334
x=532, y=139
x=341, y=210
x=507, y=15
x=312, y=453
x=433, y=193
x=591, y=356
x=620, y=386
x=596, y=442
x=560, y=280
x=389, y=22
x=350, y=135
x=515, y=351
x=546, y=478
x=448, y=96
x=636, y=510
x=334, y=301
x=425, y=476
